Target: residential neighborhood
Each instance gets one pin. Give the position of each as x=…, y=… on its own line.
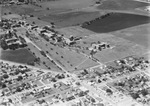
x=74, y=53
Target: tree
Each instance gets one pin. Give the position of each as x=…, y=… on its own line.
x=3, y=85
x=144, y=92
x=52, y=23
x=135, y=95
x=5, y=76
x=44, y=62
x=47, y=8
x=43, y=53
x=18, y=89
x=31, y=63
x=37, y=59
x=53, y=80
x=21, y=0
x=17, y=72
x=31, y=15
x=19, y=78
x=39, y=18
x=109, y=91
x=33, y=22
x=86, y=72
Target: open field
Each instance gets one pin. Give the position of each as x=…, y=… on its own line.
x=121, y=5
x=66, y=58
x=86, y=64
x=20, y=9
x=76, y=31
x=60, y=18
x=71, y=18
x=70, y=61
x=45, y=63
x=62, y=12
x=20, y=56
x=138, y=34
x=65, y=13
x=116, y=21
x=68, y=4
x=122, y=48
x=37, y=21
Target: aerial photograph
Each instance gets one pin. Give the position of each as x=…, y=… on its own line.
x=74, y=52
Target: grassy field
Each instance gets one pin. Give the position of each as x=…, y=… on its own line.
x=121, y=5
x=138, y=34
x=20, y=9
x=76, y=31
x=117, y=21
x=37, y=21
x=62, y=12
x=47, y=63
x=86, y=64
x=66, y=58
x=20, y=56
x=67, y=4
x=71, y=18
x=122, y=48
